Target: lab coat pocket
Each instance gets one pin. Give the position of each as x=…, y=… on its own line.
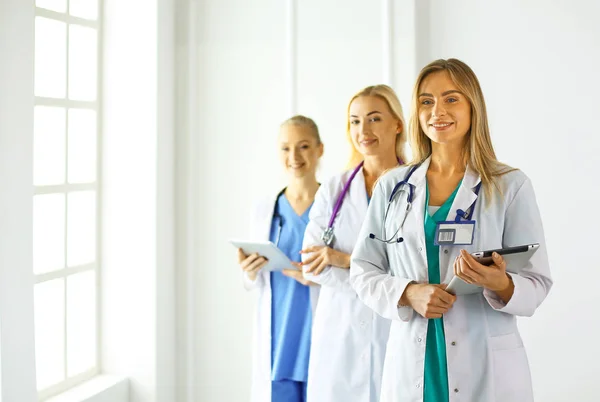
x=512, y=379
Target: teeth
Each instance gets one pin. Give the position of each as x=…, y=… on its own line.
x=441, y=125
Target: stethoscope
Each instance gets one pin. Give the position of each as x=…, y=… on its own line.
x=327, y=236
x=405, y=186
x=279, y=218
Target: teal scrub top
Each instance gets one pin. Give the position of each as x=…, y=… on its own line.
x=435, y=387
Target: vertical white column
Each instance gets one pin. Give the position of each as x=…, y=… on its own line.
x=292, y=62
x=17, y=341
x=387, y=42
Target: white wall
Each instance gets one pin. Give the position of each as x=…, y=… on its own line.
x=538, y=65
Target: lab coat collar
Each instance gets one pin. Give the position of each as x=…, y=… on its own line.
x=470, y=180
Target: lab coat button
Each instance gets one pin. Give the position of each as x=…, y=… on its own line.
x=418, y=385
x=456, y=390
x=420, y=249
x=445, y=251
x=419, y=339
x=453, y=343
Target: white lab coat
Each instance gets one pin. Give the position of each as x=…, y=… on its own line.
x=349, y=339
x=261, y=351
x=486, y=358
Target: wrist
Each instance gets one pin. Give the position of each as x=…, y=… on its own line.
x=404, y=299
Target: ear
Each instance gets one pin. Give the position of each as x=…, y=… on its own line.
x=321, y=149
x=399, y=127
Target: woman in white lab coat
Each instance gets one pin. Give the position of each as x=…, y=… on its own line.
x=444, y=347
x=349, y=339
x=285, y=301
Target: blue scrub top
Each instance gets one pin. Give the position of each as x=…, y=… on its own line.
x=291, y=314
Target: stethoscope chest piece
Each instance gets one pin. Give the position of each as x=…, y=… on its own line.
x=327, y=236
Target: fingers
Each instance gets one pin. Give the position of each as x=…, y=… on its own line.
x=241, y=255
x=311, y=249
x=248, y=260
x=310, y=259
x=257, y=264
x=499, y=261
x=314, y=264
x=322, y=265
x=295, y=274
x=467, y=270
x=445, y=299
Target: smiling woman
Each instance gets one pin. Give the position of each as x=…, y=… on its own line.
x=441, y=346
x=285, y=299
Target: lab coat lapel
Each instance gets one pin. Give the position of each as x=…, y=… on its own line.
x=357, y=194
x=418, y=180
x=465, y=197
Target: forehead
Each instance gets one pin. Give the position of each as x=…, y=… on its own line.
x=366, y=104
x=295, y=133
x=436, y=83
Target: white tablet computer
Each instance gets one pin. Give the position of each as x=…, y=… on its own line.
x=277, y=258
x=516, y=258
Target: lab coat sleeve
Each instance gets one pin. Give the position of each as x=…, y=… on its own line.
x=318, y=220
x=250, y=284
x=369, y=268
x=523, y=225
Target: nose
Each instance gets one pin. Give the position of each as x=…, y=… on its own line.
x=363, y=128
x=294, y=154
x=438, y=110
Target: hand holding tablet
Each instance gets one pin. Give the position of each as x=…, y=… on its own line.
x=516, y=259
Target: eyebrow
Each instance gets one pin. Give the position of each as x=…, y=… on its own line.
x=443, y=94
x=368, y=114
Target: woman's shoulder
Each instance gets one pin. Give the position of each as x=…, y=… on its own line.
x=510, y=178
x=389, y=179
x=333, y=185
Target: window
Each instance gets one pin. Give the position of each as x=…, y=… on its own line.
x=66, y=192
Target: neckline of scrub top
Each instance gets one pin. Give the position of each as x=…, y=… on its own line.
x=289, y=205
x=443, y=207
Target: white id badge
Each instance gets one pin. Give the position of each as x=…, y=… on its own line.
x=454, y=233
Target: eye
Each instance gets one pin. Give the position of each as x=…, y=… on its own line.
x=304, y=147
x=285, y=149
x=451, y=100
x=354, y=122
x=426, y=102
x=375, y=119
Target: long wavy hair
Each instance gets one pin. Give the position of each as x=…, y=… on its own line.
x=479, y=152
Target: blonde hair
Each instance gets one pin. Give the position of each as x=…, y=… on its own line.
x=389, y=96
x=478, y=152
x=303, y=121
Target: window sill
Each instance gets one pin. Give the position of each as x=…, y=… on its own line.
x=102, y=388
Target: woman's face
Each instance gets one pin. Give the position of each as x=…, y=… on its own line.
x=444, y=111
x=373, y=127
x=299, y=151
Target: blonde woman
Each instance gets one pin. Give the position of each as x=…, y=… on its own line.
x=444, y=347
x=285, y=301
x=349, y=340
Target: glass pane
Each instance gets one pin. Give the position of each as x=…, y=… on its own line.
x=82, y=63
x=81, y=228
x=48, y=145
x=48, y=232
x=50, y=58
x=84, y=9
x=54, y=5
x=81, y=322
x=82, y=146
x=49, y=332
